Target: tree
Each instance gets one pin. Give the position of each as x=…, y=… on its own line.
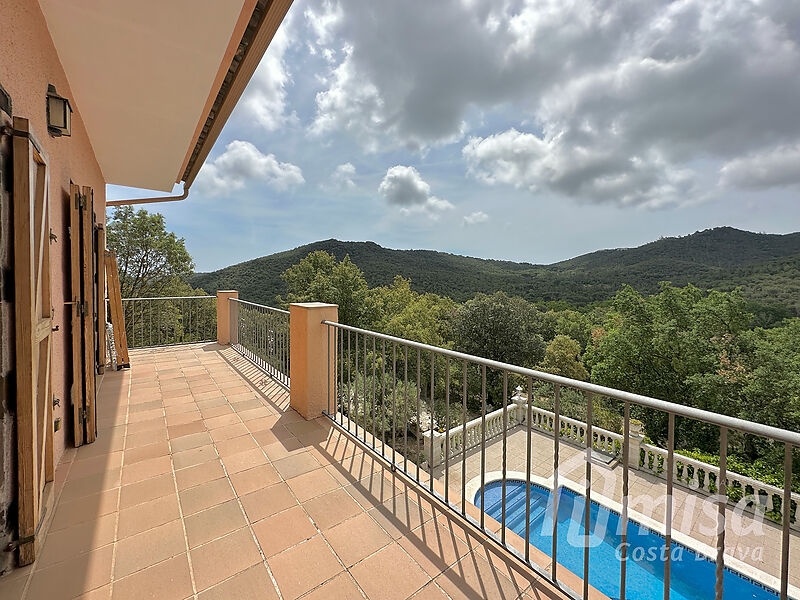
x=563, y=357
x=319, y=278
x=152, y=261
x=501, y=328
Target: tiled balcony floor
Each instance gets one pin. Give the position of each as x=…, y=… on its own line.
x=203, y=483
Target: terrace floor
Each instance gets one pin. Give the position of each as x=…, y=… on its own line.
x=204, y=484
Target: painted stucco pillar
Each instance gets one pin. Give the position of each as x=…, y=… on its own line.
x=312, y=371
x=636, y=437
x=227, y=315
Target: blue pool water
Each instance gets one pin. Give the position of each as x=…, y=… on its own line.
x=692, y=576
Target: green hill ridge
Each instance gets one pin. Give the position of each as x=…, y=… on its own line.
x=765, y=266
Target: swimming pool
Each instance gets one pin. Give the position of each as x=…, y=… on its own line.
x=692, y=576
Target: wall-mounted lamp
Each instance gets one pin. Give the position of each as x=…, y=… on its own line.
x=59, y=113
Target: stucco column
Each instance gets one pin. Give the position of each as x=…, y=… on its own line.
x=636, y=437
x=311, y=357
x=226, y=325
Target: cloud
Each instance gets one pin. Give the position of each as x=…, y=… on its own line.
x=634, y=93
x=476, y=217
x=241, y=164
x=776, y=167
x=404, y=187
x=342, y=178
x=264, y=100
x=524, y=160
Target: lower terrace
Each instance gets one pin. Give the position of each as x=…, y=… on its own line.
x=204, y=483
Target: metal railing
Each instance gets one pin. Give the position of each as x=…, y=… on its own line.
x=170, y=320
x=261, y=334
x=396, y=395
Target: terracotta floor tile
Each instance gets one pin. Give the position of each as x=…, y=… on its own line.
x=146, y=469
x=400, y=515
x=373, y=490
x=312, y=484
x=85, y=509
x=177, y=431
x=195, y=456
x=147, y=515
x=144, y=491
x=145, y=438
x=356, y=539
x=135, y=455
x=474, y=578
x=94, y=465
x=228, y=432
x=341, y=587
x=168, y=580
x=148, y=548
x=292, y=466
x=283, y=530
x=216, y=411
x=214, y=522
x=430, y=592
x=223, y=558
x=12, y=585
x=205, y=496
x=303, y=567
x=242, y=461
x=223, y=421
x=332, y=508
x=197, y=474
x=254, y=479
x=284, y=448
x=235, y=445
x=434, y=547
x=251, y=584
x=389, y=574
x=82, y=487
x=72, y=577
x=66, y=543
x=266, y=502
x=193, y=440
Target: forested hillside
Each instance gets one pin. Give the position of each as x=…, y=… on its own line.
x=765, y=266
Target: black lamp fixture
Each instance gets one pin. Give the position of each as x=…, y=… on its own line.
x=59, y=113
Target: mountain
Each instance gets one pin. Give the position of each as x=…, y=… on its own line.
x=765, y=266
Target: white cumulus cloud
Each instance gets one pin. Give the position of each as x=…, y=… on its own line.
x=476, y=217
x=341, y=179
x=775, y=167
x=241, y=164
x=403, y=186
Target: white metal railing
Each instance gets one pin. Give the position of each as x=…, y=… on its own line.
x=169, y=320
x=380, y=386
x=261, y=334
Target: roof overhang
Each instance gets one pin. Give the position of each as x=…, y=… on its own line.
x=155, y=81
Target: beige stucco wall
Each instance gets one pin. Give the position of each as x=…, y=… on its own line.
x=28, y=63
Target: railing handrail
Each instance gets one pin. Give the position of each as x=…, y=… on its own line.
x=169, y=298
x=768, y=431
x=272, y=308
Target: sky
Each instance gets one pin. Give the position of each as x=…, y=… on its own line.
x=529, y=130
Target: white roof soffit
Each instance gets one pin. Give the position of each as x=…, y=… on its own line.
x=142, y=75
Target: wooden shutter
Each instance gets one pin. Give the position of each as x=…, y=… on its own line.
x=85, y=319
x=100, y=297
x=33, y=328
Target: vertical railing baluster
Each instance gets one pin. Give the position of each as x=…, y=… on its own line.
x=366, y=394
x=447, y=431
x=405, y=408
x=432, y=430
x=626, y=440
x=328, y=347
x=394, y=404
x=349, y=377
x=722, y=501
x=354, y=418
x=383, y=398
x=587, y=495
x=786, y=517
x=528, y=458
x=419, y=401
x=505, y=455
x=556, y=443
x=340, y=395
x=668, y=510
x=374, y=360
x=464, y=438
x=483, y=446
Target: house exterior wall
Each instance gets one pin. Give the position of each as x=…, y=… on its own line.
x=28, y=63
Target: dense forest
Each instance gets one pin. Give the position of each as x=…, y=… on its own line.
x=685, y=345
x=765, y=267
